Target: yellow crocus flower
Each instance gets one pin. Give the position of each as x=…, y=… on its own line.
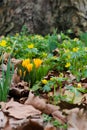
x=20, y=72
x=29, y=67
x=37, y=62
x=25, y=62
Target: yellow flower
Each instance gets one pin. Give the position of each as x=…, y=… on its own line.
x=29, y=67
x=17, y=34
x=37, y=62
x=20, y=72
x=44, y=54
x=31, y=46
x=75, y=49
x=76, y=39
x=67, y=65
x=67, y=50
x=61, y=75
x=25, y=62
x=68, y=56
x=85, y=48
x=39, y=37
x=79, y=85
x=44, y=81
x=3, y=43
x=24, y=73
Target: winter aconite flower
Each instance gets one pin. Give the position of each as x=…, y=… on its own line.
x=31, y=46
x=67, y=50
x=3, y=43
x=44, y=81
x=79, y=85
x=76, y=39
x=67, y=65
x=75, y=49
x=37, y=62
x=68, y=56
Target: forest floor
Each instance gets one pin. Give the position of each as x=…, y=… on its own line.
x=43, y=82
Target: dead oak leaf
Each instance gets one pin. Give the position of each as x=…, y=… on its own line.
x=20, y=111
x=77, y=119
x=36, y=102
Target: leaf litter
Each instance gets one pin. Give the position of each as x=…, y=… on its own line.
x=26, y=110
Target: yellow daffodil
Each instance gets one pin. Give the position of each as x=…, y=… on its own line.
x=3, y=43
x=31, y=46
x=79, y=85
x=29, y=67
x=75, y=49
x=67, y=65
x=37, y=62
x=44, y=81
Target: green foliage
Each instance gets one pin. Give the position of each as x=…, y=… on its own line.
x=55, y=123
x=53, y=42
x=83, y=37
x=5, y=83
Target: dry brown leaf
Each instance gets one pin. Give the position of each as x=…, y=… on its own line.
x=5, y=57
x=4, y=67
x=49, y=127
x=19, y=111
x=3, y=120
x=49, y=109
x=84, y=100
x=72, y=96
x=77, y=119
x=16, y=62
x=36, y=102
x=24, y=124
x=15, y=78
x=59, y=116
x=19, y=90
x=45, y=108
x=84, y=85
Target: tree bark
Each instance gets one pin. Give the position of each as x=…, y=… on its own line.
x=42, y=16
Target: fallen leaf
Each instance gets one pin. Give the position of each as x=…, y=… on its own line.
x=16, y=62
x=3, y=120
x=59, y=116
x=19, y=90
x=77, y=119
x=49, y=127
x=36, y=102
x=20, y=111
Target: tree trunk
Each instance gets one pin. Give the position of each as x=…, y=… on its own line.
x=42, y=16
